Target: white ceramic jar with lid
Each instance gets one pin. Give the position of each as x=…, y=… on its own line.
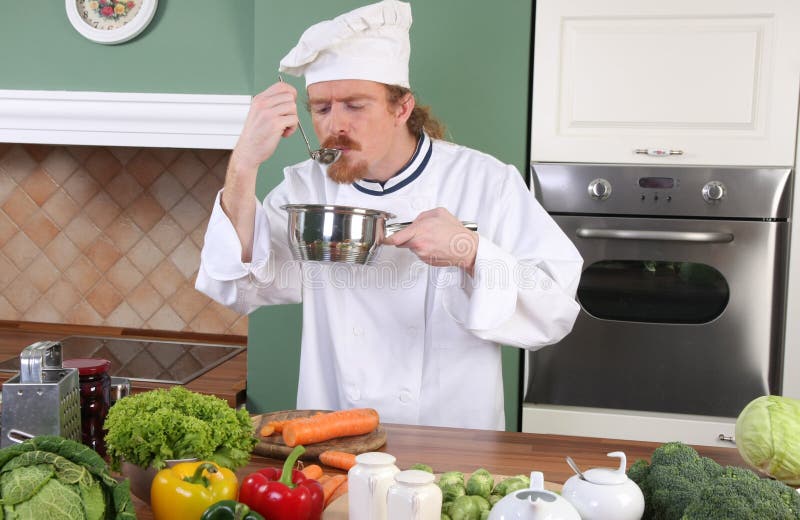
x=414, y=496
x=605, y=493
x=534, y=503
x=367, y=485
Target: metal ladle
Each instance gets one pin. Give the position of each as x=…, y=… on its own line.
x=324, y=156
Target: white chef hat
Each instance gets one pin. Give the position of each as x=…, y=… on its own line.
x=369, y=43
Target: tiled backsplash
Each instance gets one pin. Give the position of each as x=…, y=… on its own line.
x=108, y=236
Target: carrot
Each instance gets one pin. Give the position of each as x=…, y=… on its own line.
x=339, y=491
x=278, y=425
x=267, y=430
x=312, y=471
x=330, y=485
x=324, y=478
x=338, y=459
x=319, y=428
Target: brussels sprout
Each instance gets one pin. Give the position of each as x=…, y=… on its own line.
x=485, y=515
x=445, y=517
x=482, y=503
x=767, y=438
x=480, y=483
x=464, y=508
x=446, y=507
x=451, y=477
x=422, y=467
x=450, y=492
x=493, y=499
x=510, y=485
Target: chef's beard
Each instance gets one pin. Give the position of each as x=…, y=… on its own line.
x=345, y=171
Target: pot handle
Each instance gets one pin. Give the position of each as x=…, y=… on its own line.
x=397, y=226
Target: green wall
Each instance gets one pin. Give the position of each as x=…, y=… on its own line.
x=190, y=46
x=469, y=62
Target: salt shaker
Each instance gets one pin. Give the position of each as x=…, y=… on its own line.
x=414, y=496
x=368, y=483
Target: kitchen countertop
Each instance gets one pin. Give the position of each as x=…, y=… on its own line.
x=501, y=453
x=227, y=381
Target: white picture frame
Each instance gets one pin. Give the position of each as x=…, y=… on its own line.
x=124, y=21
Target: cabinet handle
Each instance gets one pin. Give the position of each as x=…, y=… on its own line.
x=657, y=152
x=726, y=438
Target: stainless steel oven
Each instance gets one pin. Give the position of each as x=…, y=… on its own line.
x=683, y=289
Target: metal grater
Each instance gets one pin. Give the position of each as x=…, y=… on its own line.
x=43, y=398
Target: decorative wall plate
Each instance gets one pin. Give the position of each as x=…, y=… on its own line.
x=110, y=21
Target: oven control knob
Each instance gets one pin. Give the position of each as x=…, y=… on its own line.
x=599, y=189
x=713, y=191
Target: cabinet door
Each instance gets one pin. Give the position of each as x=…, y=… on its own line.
x=696, y=82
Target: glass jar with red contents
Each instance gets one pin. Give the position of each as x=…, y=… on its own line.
x=95, y=384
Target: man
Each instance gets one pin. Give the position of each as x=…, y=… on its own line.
x=416, y=336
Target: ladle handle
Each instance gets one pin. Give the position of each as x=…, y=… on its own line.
x=391, y=229
x=308, y=144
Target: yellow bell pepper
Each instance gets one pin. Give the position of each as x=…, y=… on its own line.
x=187, y=489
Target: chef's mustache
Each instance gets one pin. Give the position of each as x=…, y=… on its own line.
x=341, y=141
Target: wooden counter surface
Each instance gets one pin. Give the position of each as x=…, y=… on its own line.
x=503, y=453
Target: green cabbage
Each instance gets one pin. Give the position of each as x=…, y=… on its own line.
x=53, y=477
x=768, y=437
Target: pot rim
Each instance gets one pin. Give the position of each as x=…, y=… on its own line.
x=337, y=210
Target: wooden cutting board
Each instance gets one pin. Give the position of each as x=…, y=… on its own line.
x=274, y=447
x=338, y=509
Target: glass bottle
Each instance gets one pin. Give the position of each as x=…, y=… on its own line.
x=95, y=384
x=367, y=484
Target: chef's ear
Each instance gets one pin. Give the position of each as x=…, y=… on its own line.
x=404, y=108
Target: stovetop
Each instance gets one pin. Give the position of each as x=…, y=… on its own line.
x=157, y=361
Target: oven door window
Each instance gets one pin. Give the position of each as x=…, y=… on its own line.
x=653, y=291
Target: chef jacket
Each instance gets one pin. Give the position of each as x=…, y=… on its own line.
x=420, y=344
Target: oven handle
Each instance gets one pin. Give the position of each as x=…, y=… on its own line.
x=668, y=236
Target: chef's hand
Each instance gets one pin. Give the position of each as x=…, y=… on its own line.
x=272, y=115
x=438, y=238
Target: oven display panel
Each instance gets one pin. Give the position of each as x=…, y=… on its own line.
x=657, y=182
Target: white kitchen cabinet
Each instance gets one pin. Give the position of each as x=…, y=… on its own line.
x=703, y=82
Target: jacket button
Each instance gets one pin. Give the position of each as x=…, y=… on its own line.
x=357, y=331
x=355, y=395
x=405, y=396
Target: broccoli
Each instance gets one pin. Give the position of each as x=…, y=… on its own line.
x=674, y=478
x=679, y=484
x=740, y=494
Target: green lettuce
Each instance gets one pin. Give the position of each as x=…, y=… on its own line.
x=54, y=477
x=149, y=428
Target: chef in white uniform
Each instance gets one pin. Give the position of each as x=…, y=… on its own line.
x=417, y=334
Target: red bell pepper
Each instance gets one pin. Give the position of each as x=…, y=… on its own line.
x=283, y=495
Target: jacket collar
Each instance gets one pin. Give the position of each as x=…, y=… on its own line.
x=407, y=174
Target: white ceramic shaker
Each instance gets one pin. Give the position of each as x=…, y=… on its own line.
x=414, y=496
x=368, y=483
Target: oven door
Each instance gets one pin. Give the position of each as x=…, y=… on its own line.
x=677, y=315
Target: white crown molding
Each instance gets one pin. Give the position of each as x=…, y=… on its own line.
x=122, y=119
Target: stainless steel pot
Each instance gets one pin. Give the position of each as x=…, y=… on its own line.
x=330, y=233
